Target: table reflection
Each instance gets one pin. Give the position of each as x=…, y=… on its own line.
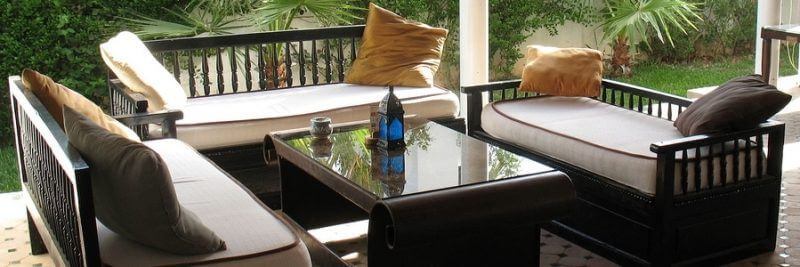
x=389, y=169
x=435, y=157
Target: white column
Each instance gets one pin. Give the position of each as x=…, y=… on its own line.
x=769, y=13
x=794, y=18
x=474, y=57
x=474, y=42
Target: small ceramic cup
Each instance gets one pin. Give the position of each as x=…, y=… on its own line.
x=321, y=127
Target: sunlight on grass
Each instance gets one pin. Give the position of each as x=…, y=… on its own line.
x=9, y=181
x=678, y=78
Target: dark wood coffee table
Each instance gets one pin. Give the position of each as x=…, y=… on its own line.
x=447, y=199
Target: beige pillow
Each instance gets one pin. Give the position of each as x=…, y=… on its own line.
x=395, y=51
x=133, y=191
x=563, y=71
x=55, y=97
x=136, y=67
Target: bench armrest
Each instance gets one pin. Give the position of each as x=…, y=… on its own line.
x=499, y=85
x=674, y=158
x=694, y=141
x=124, y=100
x=165, y=118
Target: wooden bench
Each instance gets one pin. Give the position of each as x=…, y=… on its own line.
x=698, y=200
x=57, y=188
x=268, y=95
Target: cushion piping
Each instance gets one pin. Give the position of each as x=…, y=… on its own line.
x=565, y=135
x=178, y=123
x=742, y=148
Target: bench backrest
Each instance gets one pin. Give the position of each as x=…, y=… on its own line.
x=55, y=181
x=235, y=63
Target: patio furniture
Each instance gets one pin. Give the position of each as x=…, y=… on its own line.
x=436, y=203
x=647, y=195
x=243, y=85
x=57, y=188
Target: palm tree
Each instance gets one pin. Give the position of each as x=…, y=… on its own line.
x=219, y=17
x=627, y=20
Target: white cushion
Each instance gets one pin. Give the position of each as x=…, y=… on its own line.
x=601, y=138
x=253, y=234
x=136, y=67
x=245, y=118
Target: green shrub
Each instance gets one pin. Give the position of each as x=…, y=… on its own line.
x=511, y=22
x=60, y=38
x=728, y=29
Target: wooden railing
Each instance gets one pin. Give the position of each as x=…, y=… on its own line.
x=700, y=154
x=265, y=61
x=124, y=102
x=56, y=181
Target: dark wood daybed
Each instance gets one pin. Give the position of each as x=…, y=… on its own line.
x=319, y=60
x=57, y=189
x=655, y=216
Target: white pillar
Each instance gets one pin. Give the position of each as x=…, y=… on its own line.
x=474, y=60
x=474, y=42
x=794, y=18
x=769, y=13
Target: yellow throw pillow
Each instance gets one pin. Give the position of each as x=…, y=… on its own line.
x=55, y=96
x=395, y=51
x=563, y=71
x=136, y=67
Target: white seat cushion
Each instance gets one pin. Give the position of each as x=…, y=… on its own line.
x=236, y=119
x=601, y=138
x=253, y=234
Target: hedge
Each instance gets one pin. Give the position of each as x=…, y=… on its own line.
x=60, y=38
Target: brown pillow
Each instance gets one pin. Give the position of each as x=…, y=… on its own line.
x=739, y=104
x=133, y=191
x=563, y=71
x=55, y=96
x=395, y=51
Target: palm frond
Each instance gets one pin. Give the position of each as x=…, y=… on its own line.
x=636, y=18
x=210, y=17
x=278, y=14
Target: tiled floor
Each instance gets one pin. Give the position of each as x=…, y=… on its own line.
x=15, y=247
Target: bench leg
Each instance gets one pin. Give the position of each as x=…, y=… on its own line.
x=37, y=244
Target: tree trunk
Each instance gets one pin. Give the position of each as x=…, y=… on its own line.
x=621, y=58
x=281, y=71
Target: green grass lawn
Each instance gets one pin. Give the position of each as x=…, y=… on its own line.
x=9, y=181
x=679, y=78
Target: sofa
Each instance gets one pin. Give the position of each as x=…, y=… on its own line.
x=57, y=188
x=235, y=101
x=648, y=196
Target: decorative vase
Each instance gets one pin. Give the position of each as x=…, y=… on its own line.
x=321, y=127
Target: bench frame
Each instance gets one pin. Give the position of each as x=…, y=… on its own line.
x=56, y=181
x=706, y=226
x=57, y=188
x=336, y=49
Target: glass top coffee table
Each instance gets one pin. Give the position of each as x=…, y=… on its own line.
x=443, y=187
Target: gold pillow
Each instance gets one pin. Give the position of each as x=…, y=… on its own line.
x=55, y=96
x=563, y=71
x=395, y=51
